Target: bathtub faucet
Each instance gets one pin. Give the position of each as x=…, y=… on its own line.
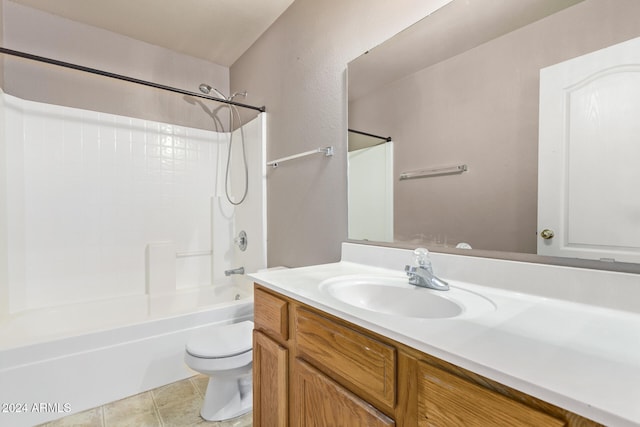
x=239, y=270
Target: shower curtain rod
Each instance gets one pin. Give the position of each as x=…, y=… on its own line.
x=386, y=138
x=125, y=78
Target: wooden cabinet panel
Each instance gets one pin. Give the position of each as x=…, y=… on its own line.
x=312, y=369
x=270, y=382
x=271, y=314
x=447, y=400
x=363, y=363
x=313, y=407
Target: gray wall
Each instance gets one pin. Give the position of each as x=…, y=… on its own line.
x=297, y=69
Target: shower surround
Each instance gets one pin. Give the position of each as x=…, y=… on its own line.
x=113, y=242
x=88, y=192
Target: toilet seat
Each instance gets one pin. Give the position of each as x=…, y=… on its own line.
x=221, y=341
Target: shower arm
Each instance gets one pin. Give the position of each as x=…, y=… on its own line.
x=123, y=77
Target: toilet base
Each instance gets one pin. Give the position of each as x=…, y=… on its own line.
x=227, y=396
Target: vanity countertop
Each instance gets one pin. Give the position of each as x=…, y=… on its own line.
x=581, y=357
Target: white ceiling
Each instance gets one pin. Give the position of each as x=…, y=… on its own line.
x=219, y=31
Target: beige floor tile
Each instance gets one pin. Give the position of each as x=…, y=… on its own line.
x=144, y=419
x=181, y=413
x=200, y=382
x=133, y=411
x=179, y=391
x=173, y=405
x=90, y=418
x=243, y=421
x=136, y=404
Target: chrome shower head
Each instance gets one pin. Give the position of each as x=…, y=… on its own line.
x=205, y=88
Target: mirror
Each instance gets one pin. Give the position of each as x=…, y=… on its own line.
x=462, y=88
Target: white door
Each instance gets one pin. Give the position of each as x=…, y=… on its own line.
x=589, y=156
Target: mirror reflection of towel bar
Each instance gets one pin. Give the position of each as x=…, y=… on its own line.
x=423, y=173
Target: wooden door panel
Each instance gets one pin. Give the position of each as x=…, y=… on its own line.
x=321, y=402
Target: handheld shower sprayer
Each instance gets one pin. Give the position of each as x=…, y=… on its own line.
x=206, y=89
x=233, y=111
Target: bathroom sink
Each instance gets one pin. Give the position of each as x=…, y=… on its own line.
x=395, y=296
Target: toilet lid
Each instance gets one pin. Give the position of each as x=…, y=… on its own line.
x=218, y=341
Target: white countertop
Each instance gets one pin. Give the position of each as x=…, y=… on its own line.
x=580, y=357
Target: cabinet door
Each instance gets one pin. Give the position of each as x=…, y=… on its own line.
x=270, y=390
x=447, y=400
x=319, y=401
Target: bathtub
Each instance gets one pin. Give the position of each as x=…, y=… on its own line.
x=58, y=361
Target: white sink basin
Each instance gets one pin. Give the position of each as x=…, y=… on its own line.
x=395, y=296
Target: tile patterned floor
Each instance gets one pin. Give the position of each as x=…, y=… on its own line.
x=174, y=405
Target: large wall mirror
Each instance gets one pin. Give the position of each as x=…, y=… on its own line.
x=513, y=128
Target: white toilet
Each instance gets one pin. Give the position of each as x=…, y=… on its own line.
x=224, y=353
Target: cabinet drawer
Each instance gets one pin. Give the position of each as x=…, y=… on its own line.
x=356, y=360
x=271, y=314
x=445, y=399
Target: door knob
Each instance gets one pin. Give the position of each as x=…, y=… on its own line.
x=546, y=234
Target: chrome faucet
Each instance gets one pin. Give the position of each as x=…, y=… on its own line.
x=239, y=270
x=422, y=275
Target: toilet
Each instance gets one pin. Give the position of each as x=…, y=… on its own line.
x=224, y=353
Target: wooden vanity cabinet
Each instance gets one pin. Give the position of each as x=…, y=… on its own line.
x=270, y=361
x=313, y=369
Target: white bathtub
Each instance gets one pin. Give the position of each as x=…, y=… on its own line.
x=63, y=360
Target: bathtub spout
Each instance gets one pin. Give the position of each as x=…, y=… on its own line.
x=239, y=270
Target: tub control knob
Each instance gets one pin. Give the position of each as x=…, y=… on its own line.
x=241, y=241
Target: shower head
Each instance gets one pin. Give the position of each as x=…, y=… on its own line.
x=206, y=89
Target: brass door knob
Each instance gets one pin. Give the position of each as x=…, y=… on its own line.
x=546, y=234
